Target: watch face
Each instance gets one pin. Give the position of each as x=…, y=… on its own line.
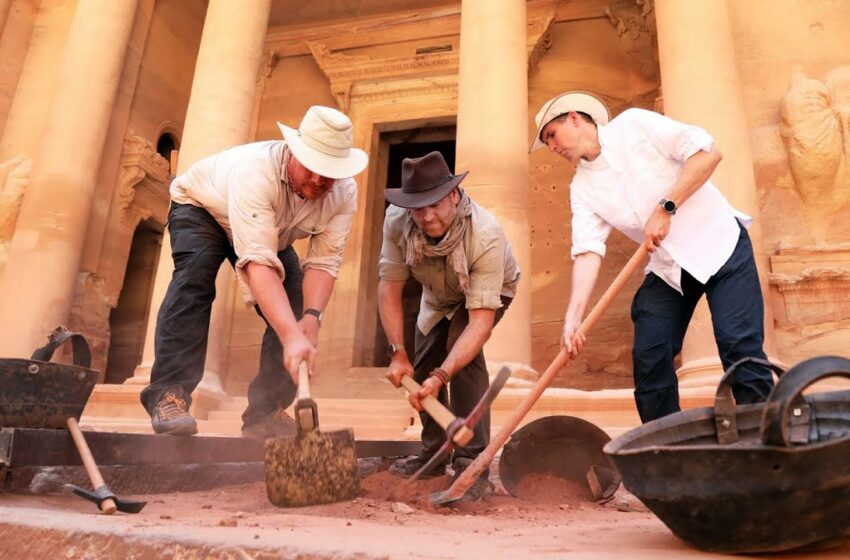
x=669, y=206
x=390, y=350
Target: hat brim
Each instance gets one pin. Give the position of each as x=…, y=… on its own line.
x=571, y=101
x=402, y=199
x=323, y=164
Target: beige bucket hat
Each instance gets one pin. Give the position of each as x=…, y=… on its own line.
x=579, y=101
x=323, y=142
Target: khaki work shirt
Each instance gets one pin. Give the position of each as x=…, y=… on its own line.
x=247, y=193
x=493, y=271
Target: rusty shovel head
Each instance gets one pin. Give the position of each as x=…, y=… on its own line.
x=311, y=468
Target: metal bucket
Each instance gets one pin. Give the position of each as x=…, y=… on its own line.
x=565, y=447
x=721, y=477
x=36, y=393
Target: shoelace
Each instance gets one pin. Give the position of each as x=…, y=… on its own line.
x=171, y=407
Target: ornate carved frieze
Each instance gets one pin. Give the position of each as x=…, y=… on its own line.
x=142, y=189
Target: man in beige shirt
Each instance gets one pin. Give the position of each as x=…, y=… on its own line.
x=248, y=204
x=459, y=253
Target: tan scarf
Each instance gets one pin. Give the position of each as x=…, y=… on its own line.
x=450, y=246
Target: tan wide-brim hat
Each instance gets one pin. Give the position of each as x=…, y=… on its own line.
x=323, y=142
x=569, y=101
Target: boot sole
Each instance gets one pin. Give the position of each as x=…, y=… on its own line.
x=185, y=430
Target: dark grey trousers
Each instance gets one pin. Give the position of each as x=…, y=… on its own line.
x=466, y=388
x=198, y=246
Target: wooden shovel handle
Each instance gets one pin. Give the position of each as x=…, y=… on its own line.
x=480, y=464
x=303, y=381
x=108, y=505
x=442, y=415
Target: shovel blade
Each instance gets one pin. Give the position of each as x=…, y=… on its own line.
x=311, y=468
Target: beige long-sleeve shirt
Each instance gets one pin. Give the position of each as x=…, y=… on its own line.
x=246, y=190
x=493, y=270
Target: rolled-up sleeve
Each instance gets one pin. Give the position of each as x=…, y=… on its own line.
x=590, y=232
x=392, y=265
x=487, y=273
x=672, y=138
x=252, y=223
x=324, y=251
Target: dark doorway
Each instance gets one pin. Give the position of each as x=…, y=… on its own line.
x=410, y=144
x=128, y=321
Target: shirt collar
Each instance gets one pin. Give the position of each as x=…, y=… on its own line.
x=606, y=157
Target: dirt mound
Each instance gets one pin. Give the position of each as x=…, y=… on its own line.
x=550, y=489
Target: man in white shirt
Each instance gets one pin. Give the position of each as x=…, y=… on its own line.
x=649, y=176
x=248, y=204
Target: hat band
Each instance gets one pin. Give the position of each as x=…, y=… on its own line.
x=320, y=146
x=433, y=185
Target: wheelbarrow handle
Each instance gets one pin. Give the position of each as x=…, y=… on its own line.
x=784, y=397
x=81, y=353
x=725, y=417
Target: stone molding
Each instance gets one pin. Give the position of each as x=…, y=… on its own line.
x=812, y=284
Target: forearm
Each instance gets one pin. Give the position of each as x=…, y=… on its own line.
x=471, y=340
x=268, y=291
x=585, y=271
x=318, y=287
x=390, y=310
x=696, y=171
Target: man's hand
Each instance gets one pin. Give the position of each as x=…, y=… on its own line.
x=431, y=387
x=657, y=228
x=297, y=349
x=399, y=367
x=570, y=339
x=310, y=327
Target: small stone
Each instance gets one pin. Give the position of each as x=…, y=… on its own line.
x=256, y=536
x=165, y=516
x=564, y=507
x=348, y=523
x=239, y=514
x=399, y=507
x=206, y=506
x=228, y=523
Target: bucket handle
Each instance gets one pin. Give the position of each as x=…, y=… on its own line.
x=725, y=418
x=81, y=352
x=784, y=397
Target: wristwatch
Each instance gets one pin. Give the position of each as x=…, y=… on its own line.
x=315, y=313
x=393, y=349
x=669, y=206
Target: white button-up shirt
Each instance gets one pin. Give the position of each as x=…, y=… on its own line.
x=247, y=191
x=642, y=156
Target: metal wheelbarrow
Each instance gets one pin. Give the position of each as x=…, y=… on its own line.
x=721, y=478
x=38, y=393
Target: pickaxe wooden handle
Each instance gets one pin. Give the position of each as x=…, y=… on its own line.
x=442, y=415
x=480, y=464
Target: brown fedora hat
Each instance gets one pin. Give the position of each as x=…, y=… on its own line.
x=424, y=181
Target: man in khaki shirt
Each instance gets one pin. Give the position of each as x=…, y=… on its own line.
x=459, y=253
x=248, y=204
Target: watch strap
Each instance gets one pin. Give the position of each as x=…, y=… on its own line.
x=315, y=313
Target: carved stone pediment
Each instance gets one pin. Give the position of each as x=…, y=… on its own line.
x=355, y=76
x=142, y=190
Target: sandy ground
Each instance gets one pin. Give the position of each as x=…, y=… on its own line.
x=239, y=522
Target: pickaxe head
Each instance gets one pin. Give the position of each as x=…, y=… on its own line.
x=104, y=493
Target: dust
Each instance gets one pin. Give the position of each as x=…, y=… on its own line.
x=551, y=489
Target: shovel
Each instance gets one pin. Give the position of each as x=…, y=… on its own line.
x=311, y=467
x=468, y=477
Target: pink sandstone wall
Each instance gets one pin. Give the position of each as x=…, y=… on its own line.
x=15, y=35
x=794, y=60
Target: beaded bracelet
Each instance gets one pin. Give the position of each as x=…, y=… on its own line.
x=442, y=374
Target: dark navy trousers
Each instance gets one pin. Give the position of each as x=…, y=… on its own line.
x=661, y=316
x=198, y=246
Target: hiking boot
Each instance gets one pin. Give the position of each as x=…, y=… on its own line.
x=274, y=424
x=405, y=468
x=482, y=487
x=170, y=417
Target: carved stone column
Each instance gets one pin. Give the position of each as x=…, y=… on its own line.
x=492, y=144
x=218, y=117
x=39, y=280
x=701, y=85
